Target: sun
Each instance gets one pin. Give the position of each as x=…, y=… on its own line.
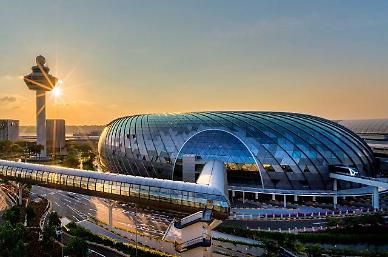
x=57, y=91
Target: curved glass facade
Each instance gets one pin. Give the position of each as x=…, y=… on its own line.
x=265, y=149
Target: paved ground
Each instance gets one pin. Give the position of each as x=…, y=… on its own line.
x=96, y=251
x=3, y=206
x=3, y=203
x=123, y=236
x=79, y=207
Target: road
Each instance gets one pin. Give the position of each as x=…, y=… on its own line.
x=79, y=207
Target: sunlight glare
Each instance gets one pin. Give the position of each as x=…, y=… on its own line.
x=57, y=92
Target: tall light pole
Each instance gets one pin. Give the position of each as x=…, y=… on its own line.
x=40, y=80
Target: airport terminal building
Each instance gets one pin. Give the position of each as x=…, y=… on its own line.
x=263, y=152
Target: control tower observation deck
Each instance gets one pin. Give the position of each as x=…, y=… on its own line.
x=41, y=81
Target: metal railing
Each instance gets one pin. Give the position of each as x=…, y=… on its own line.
x=298, y=215
x=191, y=218
x=198, y=241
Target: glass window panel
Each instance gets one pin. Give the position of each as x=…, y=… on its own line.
x=69, y=180
x=154, y=193
x=108, y=186
x=63, y=179
x=116, y=188
x=84, y=183
x=176, y=196
x=77, y=181
x=100, y=185
x=164, y=195
x=124, y=189
x=144, y=192
x=24, y=173
x=19, y=172
x=45, y=176
x=135, y=190
x=92, y=184
x=34, y=173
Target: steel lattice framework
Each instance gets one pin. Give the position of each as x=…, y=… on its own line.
x=264, y=149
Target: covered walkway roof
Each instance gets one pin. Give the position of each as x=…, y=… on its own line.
x=150, y=192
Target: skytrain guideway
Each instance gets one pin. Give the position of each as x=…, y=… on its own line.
x=375, y=183
x=208, y=193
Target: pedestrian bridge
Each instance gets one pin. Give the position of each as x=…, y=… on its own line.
x=208, y=193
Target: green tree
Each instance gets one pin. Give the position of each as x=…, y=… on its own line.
x=272, y=248
x=39, y=149
x=30, y=214
x=332, y=222
x=12, y=238
x=314, y=250
x=71, y=161
x=35, y=149
x=54, y=220
x=49, y=237
x=6, y=146
x=77, y=247
x=15, y=148
x=88, y=164
x=13, y=215
x=83, y=148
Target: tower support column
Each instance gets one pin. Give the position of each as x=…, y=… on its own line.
x=41, y=120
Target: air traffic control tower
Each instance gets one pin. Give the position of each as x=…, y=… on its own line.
x=41, y=81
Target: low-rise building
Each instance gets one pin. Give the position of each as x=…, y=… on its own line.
x=55, y=135
x=9, y=130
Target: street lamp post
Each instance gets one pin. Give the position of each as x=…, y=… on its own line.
x=62, y=242
x=134, y=222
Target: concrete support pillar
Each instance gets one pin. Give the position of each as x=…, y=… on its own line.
x=295, y=198
x=314, y=198
x=256, y=196
x=243, y=196
x=110, y=214
x=233, y=193
x=335, y=200
x=273, y=197
x=285, y=201
x=41, y=120
x=20, y=195
x=375, y=198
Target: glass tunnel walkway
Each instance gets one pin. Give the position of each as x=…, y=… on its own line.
x=208, y=192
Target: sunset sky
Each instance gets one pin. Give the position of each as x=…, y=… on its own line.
x=117, y=58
